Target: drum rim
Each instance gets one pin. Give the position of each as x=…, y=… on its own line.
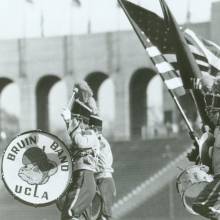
x=9, y=190
x=188, y=208
x=183, y=196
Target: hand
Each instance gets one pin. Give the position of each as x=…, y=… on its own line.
x=75, y=91
x=66, y=114
x=206, y=128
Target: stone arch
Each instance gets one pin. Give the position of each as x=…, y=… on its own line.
x=138, y=100
x=103, y=86
x=95, y=80
x=43, y=88
x=4, y=82
x=9, y=108
x=58, y=99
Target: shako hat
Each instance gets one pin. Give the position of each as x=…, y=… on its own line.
x=80, y=109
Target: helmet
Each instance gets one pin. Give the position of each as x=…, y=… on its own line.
x=81, y=111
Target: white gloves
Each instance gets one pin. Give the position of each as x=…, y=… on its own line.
x=66, y=114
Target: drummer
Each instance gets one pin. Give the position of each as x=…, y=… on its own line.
x=104, y=178
x=207, y=203
x=84, y=149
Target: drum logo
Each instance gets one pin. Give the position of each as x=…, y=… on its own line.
x=36, y=168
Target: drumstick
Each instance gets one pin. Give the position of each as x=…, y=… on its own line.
x=72, y=99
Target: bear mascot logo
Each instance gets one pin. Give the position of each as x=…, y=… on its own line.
x=37, y=167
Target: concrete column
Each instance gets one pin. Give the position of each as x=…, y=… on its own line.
x=21, y=57
x=27, y=92
x=68, y=42
x=122, y=117
x=28, y=105
x=69, y=80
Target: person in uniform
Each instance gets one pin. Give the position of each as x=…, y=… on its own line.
x=84, y=150
x=207, y=203
x=104, y=179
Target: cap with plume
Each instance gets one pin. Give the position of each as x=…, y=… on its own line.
x=85, y=94
x=83, y=86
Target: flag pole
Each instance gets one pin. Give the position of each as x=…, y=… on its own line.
x=42, y=23
x=41, y=18
x=26, y=2
x=118, y=38
x=188, y=67
x=89, y=22
x=188, y=13
x=74, y=3
x=176, y=101
x=24, y=22
x=71, y=11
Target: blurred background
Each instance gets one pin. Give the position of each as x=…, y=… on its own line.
x=48, y=45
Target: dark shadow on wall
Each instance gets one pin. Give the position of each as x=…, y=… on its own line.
x=138, y=100
x=42, y=95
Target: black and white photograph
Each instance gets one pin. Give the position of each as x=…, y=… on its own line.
x=110, y=109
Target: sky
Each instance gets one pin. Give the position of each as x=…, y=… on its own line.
x=18, y=18
x=21, y=19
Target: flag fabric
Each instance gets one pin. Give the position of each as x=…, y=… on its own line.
x=165, y=69
x=76, y=3
x=163, y=35
x=153, y=48
x=197, y=52
x=155, y=28
x=168, y=74
x=159, y=33
x=187, y=66
x=189, y=70
x=42, y=23
x=117, y=4
x=206, y=53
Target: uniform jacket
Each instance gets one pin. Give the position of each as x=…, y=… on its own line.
x=105, y=159
x=85, y=147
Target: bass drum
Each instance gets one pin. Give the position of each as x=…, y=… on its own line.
x=95, y=209
x=36, y=168
x=190, y=183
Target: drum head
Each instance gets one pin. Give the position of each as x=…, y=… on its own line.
x=190, y=183
x=191, y=194
x=36, y=168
